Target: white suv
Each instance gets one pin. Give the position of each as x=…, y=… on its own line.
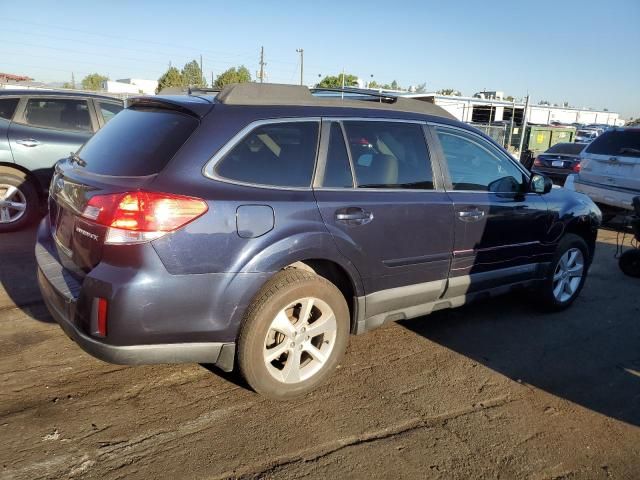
x=610, y=170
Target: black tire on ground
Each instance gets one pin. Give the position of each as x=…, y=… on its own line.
x=30, y=194
x=548, y=301
x=629, y=262
x=284, y=288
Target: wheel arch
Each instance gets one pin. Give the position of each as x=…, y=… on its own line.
x=583, y=227
x=25, y=174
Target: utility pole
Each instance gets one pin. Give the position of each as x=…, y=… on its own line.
x=262, y=65
x=301, y=52
x=524, y=124
x=201, y=79
x=73, y=81
x=212, y=80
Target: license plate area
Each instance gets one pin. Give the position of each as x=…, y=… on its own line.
x=558, y=163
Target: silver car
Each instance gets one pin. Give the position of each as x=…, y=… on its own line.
x=610, y=170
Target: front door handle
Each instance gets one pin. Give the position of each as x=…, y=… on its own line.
x=470, y=215
x=353, y=216
x=28, y=142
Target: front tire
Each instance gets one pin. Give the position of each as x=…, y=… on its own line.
x=293, y=335
x=19, y=203
x=567, y=273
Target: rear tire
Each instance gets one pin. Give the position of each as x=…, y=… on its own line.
x=293, y=335
x=19, y=203
x=566, y=275
x=629, y=263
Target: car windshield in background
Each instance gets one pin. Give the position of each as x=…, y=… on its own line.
x=569, y=148
x=586, y=133
x=137, y=142
x=624, y=143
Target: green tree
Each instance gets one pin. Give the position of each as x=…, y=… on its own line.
x=171, y=78
x=333, y=81
x=374, y=84
x=449, y=91
x=509, y=98
x=93, y=81
x=233, y=75
x=67, y=85
x=192, y=75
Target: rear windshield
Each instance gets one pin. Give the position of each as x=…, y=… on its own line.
x=137, y=142
x=569, y=148
x=623, y=143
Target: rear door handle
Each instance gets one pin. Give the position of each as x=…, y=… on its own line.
x=353, y=216
x=28, y=142
x=470, y=215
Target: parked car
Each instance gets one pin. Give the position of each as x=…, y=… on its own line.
x=586, y=135
x=37, y=128
x=610, y=172
x=560, y=160
x=260, y=227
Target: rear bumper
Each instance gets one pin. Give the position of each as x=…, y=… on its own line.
x=153, y=316
x=607, y=195
x=203, y=352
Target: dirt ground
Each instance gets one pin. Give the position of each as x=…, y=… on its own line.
x=491, y=390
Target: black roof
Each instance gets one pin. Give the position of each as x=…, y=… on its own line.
x=265, y=94
x=6, y=92
x=200, y=101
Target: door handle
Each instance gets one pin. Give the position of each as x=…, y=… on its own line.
x=28, y=142
x=470, y=215
x=354, y=216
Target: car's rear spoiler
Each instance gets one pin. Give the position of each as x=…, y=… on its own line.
x=191, y=105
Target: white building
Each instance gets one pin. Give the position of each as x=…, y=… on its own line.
x=131, y=85
x=493, y=108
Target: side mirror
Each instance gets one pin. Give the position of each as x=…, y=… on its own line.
x=540, y=183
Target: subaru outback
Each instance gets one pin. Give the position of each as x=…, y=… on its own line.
x=257, y=228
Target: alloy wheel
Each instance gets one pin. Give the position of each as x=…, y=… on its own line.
x=13, y=203
x=568, y=275
x=300, y=340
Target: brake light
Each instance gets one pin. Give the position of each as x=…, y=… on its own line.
x=135, y=217
x=537, y=163
x=576, y=167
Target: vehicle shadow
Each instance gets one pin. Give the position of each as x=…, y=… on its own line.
x=588, y=354
x=18, y=281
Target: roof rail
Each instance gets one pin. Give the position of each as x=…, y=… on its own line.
x=272, y=94
x=356, y=91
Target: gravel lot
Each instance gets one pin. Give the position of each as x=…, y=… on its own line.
x=494, y=389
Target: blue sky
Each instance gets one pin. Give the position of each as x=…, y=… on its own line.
x=583, y=52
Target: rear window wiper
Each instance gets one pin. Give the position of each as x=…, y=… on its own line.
x=77, y=160
x=634, y=151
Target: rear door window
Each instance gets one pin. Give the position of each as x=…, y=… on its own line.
x=276, y=154
x=620, y=143
x=8, y=107
x=65, y=114
x=137, y=142
x=389, y=154
x=109, y=110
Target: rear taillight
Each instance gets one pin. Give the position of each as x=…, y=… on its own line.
x=537, y=163
x=576, y=167
x=135, y=217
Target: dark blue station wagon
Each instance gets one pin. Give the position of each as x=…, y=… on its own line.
x=257, y=228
